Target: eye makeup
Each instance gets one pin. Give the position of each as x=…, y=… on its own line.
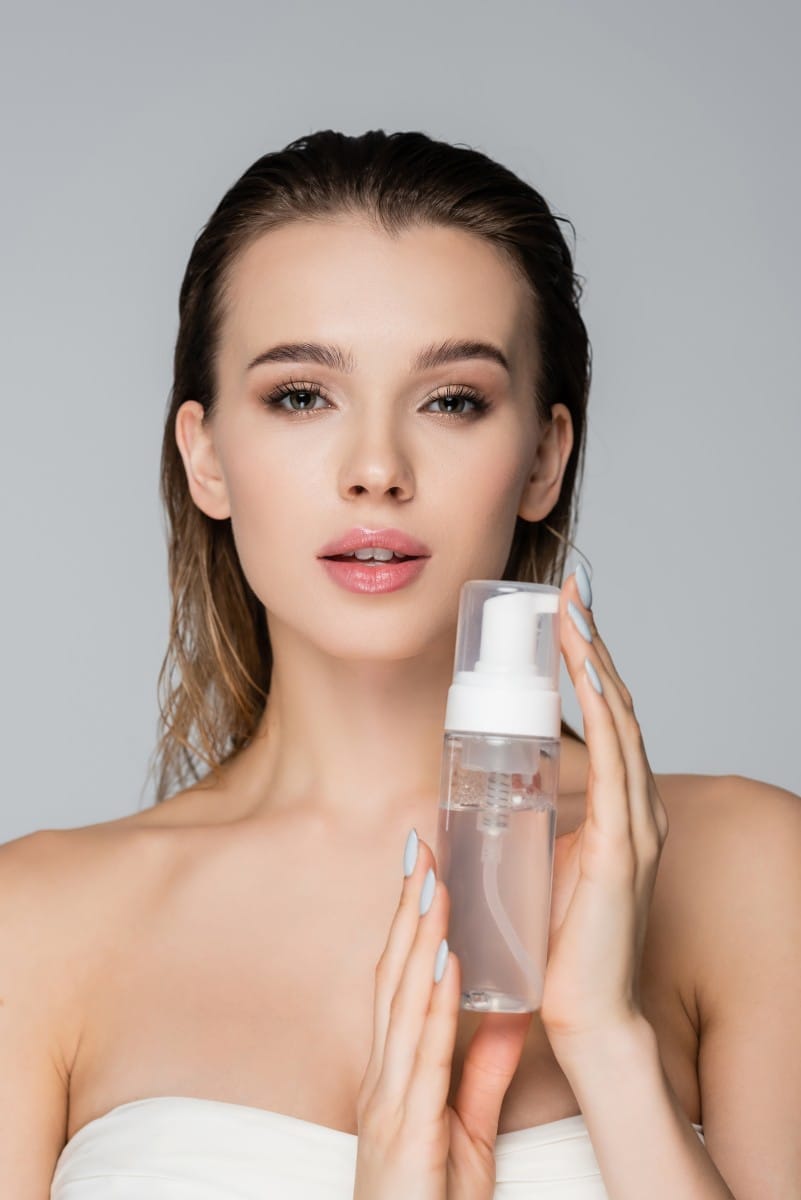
x=291, y=387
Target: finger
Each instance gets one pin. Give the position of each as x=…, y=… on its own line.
x=606, y=658
x=390, y=966
x=647, y=814
x=412, y=998
x=597, y=641
x=490, y=1062
x=645, y=831
x=430, y=1081
x=607, y=764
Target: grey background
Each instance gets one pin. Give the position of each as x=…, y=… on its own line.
x=668, y=135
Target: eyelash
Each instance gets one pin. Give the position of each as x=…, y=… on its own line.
x=275, y=398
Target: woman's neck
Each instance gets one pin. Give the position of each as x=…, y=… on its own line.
x=353, y=745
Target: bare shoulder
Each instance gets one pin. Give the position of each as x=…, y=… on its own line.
x=732, y=887
x=736, y=846
x=63, y=892
x=58, y=891
x=72, y=886
x=726, y=835
x=80, y=877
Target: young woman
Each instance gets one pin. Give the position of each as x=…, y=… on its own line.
x=246, y=989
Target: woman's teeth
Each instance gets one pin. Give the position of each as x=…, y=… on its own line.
x=374, y=553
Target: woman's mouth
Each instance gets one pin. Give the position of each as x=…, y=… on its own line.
x=373, y=575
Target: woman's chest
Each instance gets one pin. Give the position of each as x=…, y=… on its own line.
x=264, y=997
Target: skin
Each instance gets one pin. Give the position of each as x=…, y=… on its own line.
x=360, y=681
x=178, y=915
x=375, y=452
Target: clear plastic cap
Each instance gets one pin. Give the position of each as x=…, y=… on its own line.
x=506, y=665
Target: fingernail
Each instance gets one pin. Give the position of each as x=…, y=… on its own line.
x=427, y=894
x=441, y=959
x=410, y=853
x=593, y=675
x=579, y=621
x=583, y=584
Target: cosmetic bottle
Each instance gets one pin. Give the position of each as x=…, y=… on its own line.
x=498, y=794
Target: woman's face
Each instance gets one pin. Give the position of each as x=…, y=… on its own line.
x=379, y=446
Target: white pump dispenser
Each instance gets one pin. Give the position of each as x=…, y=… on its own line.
x=500, y=763
x=512, y=684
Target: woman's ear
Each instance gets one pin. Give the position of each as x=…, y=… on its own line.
x=545, y=481
x=203, y=473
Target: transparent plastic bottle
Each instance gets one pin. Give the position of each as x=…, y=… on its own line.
x=499, y=787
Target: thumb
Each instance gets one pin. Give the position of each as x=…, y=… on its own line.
x=490, y=1062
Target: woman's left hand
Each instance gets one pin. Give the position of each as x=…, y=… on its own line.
x=604, y=871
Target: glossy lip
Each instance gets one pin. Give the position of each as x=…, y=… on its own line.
x=358, y=577
x=393, y=539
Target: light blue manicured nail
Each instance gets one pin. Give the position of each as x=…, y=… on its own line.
x=579, y=622
x=583, y=584
x=427, y=894
x=593, y=674
x=441, y=959
x=410, y=853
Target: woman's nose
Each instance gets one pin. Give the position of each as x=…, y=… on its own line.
x=377, y=463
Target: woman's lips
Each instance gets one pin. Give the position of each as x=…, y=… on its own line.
x=365, y=577
x=360, y=537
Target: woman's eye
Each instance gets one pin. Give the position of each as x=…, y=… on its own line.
x=306, y=395
x=461, y=398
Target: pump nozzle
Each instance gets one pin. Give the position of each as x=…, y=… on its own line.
x=506, y=668
x=510, y=636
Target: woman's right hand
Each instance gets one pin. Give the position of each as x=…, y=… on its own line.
x=411, y=1143
x=403, y=1123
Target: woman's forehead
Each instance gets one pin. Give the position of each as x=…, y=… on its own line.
x=351, y=285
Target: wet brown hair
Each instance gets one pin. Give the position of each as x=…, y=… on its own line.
x=215, y=675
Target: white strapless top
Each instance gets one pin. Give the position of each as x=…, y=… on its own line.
x=187, y=1148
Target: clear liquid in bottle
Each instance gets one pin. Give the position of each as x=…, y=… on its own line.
x=494, y=851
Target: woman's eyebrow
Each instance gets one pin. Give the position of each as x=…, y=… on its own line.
x=435, y=355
